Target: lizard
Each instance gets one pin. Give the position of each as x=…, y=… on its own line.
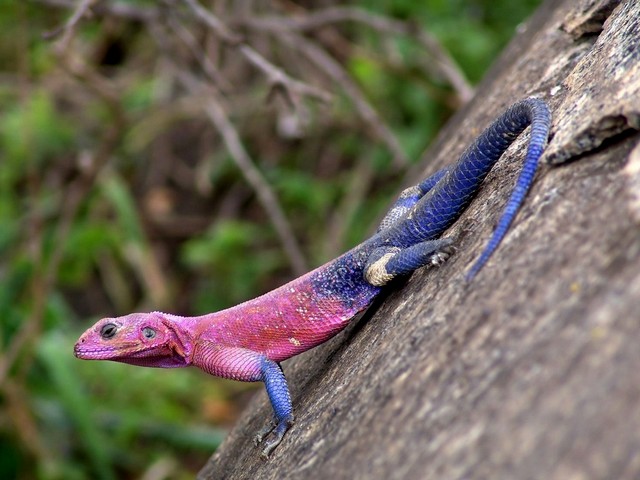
x=247, y=342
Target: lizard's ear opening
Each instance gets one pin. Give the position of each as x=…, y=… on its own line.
x=179, y=338
x=148, y=333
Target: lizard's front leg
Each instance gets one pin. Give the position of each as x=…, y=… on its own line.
x=278, y=391
x=251, y=366
x=387, y=263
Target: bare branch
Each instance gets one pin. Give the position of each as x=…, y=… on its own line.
x=213, y=22
x=83, y=8
x=213, y=108
x=116, y=9
x=190, y=41
x=288, y=31
x=331, y=67
x=275, y=76
x=43, y=283
x=446, y=66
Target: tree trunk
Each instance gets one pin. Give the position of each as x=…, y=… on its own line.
x=532, y=370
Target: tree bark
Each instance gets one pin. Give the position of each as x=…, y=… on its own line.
x=532, y=370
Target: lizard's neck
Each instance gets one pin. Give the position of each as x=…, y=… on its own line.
x=185, y=332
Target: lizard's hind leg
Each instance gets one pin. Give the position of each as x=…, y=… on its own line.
x=409, y=197
x=386, y=263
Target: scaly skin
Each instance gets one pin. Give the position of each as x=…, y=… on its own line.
x=247, y=342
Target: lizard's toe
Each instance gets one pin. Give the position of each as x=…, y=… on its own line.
x=442, y=255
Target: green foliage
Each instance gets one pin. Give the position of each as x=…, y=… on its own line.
x=139, y=98
x=34, y=130
x=108, y=430
x=229, y=275
x=86, y=242
x=117, y=195
x=67, y=388
x=303, y=196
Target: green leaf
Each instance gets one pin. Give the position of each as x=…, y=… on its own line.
x=117, y=192
x=54, y=355
x=33, y=130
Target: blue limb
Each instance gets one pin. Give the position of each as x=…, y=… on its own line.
x=435, y=212
x=278, y=392
x=386, y=263
x=409, y=197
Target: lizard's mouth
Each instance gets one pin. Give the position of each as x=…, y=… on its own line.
x=109, y=352
x=132, y=354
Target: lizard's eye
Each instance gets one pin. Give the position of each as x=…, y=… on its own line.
x=108, y=331
x=148, y=332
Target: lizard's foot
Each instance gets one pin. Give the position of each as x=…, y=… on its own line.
x=278, y=431
x=280, y=398
x=386, y=263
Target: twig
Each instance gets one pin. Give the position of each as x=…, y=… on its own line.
x=331, y=67
x=44, y=282
x=266, y=196
x=75, y=194
x=213, y=22
x=446, y=66
x=276, y=77
x=83, y=8
x=342, y=217
x=122, y=10
x=190, y=41
x=16, y=407
x=215, y=112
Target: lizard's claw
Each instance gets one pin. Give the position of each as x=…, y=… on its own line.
x=442, y=255
x=278, y=430
x=264, y=432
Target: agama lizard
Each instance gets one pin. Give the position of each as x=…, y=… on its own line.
x=247, y=342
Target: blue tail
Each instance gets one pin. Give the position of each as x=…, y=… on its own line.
x=444, y=203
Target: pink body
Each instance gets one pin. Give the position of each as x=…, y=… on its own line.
x=280, y=324
x=231, y=343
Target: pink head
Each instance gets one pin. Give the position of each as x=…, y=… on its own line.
x=145, y=339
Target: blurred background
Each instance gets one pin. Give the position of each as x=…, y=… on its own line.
x=182, y=156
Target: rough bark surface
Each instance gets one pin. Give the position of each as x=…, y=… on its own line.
x=533, y=369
